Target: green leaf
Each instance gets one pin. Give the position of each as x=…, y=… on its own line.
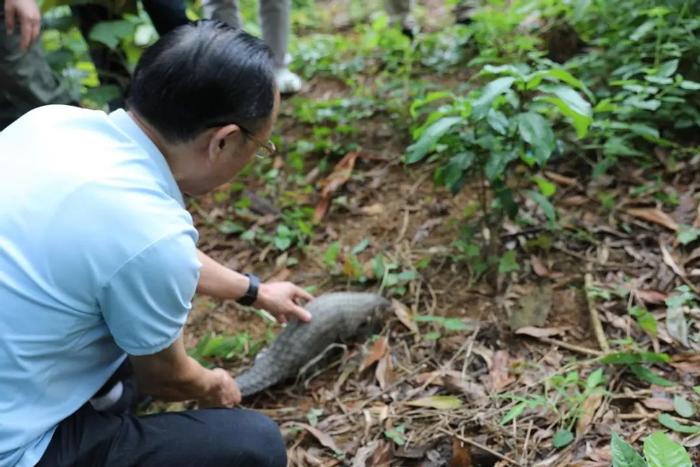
x=557, y=74
x=429, y=138
x=628, y=358
x=360, y=247
x=689, y=85
x=330, y=256
x=492, y=90
x=649, y=376
x=662, y=451
x=514, y=412
x=697, y=390
x=498, y=121
x=646, y=320
x=687, y=234
x=544, y=204
x=546, y=187
x=454, y=324
x=668, y=68
x=672, y=424
x=455, y=169
x=110, y=33
x=624, y=455
x=437, y=402
x=643, y=30
x=431, y=97
x=283, y=243
x=595, y=379
x=562, y=438
x=496, y=164
x=537, y=132
x=572, y=105
x=683, y=407
x=432, y=336
x=508, y=263
x=396, y=435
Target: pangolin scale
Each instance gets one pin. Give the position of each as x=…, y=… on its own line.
x=336, y=317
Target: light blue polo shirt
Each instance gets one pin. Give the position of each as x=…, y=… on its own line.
x=97, y=260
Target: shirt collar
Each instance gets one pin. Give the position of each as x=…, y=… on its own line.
x=125, y=123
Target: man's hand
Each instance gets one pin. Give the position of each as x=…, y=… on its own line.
x=223, y=390
x=282, y=300
x=173, y=375
x=27, y=13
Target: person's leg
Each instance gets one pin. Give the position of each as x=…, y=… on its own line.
x=108, y=63
x=274, y=18
x=223, y=10
x=166, y=15
x=26, y=79
x=216, y=437
x=399, y=12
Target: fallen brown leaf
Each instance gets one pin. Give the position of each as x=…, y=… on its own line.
x=437, y=402
x=539, y=332
x=324, y=438
x=651, y=296
x=385, y=371
x=574, y=201
x=655, y=216
x=560, y=179
x=341, y=174
x=670, y=261
x=498, y=374
x=379, y=349
x=461, y=455
x=382, y=456
x=658, y=403
x=588, y=410
x=687, y=363
x=538, y=266
x=375, y=209
x=403, y=314
x=364, y=453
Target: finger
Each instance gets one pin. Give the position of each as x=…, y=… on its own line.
x=282, y=319
x=304, y=294
x=301, y=313
x=25, y=34
x=9, y=18
x=35, y=31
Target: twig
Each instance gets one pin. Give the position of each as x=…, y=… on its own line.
x=595, y=319
x=572, y=347
x=480, y=446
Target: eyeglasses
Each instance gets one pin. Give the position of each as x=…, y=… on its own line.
x=264, y=150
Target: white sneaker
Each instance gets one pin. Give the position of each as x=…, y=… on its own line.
x=287, y=82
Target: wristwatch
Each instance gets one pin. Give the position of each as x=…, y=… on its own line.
x=252, y=293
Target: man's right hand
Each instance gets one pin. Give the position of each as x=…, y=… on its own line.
x=173, y=375
x=27, y=13
x=223, y=390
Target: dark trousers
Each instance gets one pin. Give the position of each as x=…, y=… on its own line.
x=207, y=437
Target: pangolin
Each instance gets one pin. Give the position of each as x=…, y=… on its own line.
x=336, y=317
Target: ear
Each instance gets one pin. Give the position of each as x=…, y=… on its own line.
x=221, y=138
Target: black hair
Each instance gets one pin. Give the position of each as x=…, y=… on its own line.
x=202, y=75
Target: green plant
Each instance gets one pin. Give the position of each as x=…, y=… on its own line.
x=511, y=118
x=564, y=396
x=443, y=323
x=659, y=451
x=219, y=346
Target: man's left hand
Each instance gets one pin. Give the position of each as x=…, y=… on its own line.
x=282, y=299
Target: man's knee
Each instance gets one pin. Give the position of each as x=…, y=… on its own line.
x=255, y=440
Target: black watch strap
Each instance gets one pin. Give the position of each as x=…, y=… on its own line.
x=251, y=294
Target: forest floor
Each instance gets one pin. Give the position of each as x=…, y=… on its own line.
x=510, y=372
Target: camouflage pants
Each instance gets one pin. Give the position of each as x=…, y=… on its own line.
x=26, y=79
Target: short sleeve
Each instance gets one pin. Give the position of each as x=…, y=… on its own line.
x=146, y=302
